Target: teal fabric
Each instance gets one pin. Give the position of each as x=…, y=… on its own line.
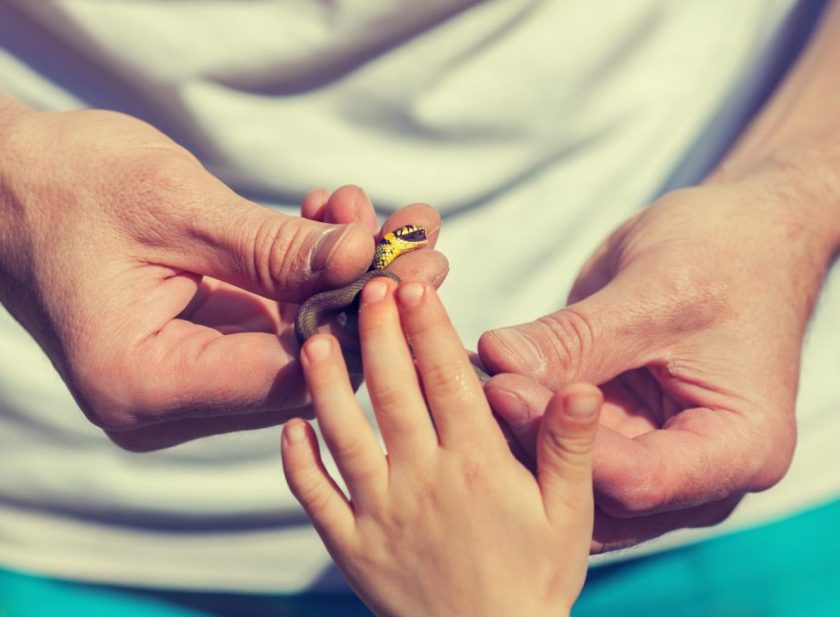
x=25, y=595
x=790, y=568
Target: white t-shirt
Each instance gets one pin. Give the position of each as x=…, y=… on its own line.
x=507, y=115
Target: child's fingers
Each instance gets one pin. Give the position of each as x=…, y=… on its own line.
x=453, y=392
x=391, y=378
x=310, y=482
x=564, y=452
x=345, y=429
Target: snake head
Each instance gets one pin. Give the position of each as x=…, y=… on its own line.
x=394, y=243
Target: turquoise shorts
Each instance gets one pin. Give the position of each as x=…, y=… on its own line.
x=789, y=568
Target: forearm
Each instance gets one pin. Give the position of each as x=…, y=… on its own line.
x=794, y=142
x=10, y=212
x=10, y=110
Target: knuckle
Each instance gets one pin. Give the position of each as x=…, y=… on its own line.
x=438, y=378
x=640, y=494
x=567, y=446
x=371, y=556
x=114, y=397
x=570, y=339
x=134, y=441
x=474, y=472
x=108, y=418
x=113, y=412
x=775, y=456
x=719, y=514
x=352, y=452
x=389, y=396
x=399, y=521
x=633, y=501
x=103, y=405
x=309, y=491
x=449, y=381
x=112, y=421
x=276, y=247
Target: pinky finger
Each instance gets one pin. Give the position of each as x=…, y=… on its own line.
x=311, y=484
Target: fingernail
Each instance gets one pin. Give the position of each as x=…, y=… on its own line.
x=295, y=433
x=521, y=347
x=317, y=348
x=582, y=406
x=410, y=294
x=374, y=291
x=325, y=247
x=357, y=203
x=437, y=280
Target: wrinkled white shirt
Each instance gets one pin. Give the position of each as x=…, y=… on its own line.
x=536, y=127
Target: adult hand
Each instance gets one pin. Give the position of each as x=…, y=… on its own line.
x=692, y=315
x=163, y=299
x=449, y=523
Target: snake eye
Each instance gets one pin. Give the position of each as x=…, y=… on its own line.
x=410, y=233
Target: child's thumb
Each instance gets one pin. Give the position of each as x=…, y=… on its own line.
x=564, y=449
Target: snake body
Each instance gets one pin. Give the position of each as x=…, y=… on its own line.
x=393, y=244
x=319, y=306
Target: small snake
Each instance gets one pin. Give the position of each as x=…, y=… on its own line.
x=393, y=244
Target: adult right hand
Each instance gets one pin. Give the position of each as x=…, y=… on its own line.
x=163, y=299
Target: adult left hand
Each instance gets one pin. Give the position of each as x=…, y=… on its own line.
x=692, y=317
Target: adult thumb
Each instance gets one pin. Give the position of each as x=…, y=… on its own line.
x=564, y=450
x=273, y=254
x=592, y=340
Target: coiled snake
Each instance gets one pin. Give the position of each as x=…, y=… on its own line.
x=318, y=307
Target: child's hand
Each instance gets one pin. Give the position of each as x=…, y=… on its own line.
x=449, y=523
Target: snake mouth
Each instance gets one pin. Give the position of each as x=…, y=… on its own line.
x=418, y=234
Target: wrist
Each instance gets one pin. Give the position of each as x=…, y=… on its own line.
x=13, y=268
x=10, y=112
x=801, y=183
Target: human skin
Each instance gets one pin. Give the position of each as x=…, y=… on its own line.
x=449, y=522
x=164, y=300
x=691, y=315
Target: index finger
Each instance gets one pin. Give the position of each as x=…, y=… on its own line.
x=452, y=390
x=704, y=455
